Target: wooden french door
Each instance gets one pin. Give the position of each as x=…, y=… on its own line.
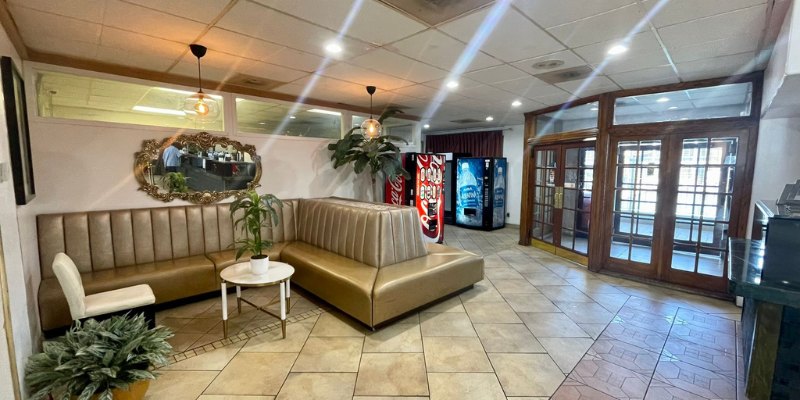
x=676, y=200
x=562, y=196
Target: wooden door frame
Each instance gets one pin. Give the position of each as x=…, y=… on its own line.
x=557, y=178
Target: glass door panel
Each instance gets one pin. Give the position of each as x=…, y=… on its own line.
x=635, y=198
x=703, y=205
x=578, y=176
x=544, y=197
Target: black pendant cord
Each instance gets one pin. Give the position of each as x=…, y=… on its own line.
x=199, y=77
x=370, y=106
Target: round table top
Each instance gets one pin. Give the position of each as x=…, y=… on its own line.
x=239, y=274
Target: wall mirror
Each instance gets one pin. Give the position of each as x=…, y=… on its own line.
x=200, y=168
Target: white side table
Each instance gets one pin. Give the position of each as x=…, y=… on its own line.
x=239, y=275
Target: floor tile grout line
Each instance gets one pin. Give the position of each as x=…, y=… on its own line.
x=298, y=355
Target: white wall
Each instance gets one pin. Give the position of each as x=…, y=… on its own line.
x=777, y=161
x=513, y=146
x=19, y=286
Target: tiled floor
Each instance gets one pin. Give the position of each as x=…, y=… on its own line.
x=537, y=327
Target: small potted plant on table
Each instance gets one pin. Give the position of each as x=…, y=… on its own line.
x=256, y=212
x=105, y=360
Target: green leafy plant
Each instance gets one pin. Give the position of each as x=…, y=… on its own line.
x=96, y=357
x=378, y=154
x=175, y=182
x=256, y=212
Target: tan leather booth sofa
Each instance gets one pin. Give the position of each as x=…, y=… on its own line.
x=369, y=260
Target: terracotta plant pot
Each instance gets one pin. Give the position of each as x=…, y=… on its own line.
x=136, y=391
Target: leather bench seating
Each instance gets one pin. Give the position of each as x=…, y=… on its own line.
x=369, y=260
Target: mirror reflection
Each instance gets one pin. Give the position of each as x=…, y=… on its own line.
x=200, y=168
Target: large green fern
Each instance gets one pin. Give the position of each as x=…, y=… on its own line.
x=96, y=357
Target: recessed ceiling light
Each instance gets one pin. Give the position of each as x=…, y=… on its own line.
x=452, y=84
x=516, y=103
x=594, y=109
x=617, y=49
x=333, y=48
x=426, y=126
x=292, y=117
x=663, y=99
x=320, y=111
x=673, y=108
x=490, y=118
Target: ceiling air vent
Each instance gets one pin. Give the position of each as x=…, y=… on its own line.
x=435, y=12
x=548, y=64
x=465, y=121
x=565, y=75
x=255, y=82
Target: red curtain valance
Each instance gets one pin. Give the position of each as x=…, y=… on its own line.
x=479, y=144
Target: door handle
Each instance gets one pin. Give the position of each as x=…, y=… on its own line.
x=559, y=197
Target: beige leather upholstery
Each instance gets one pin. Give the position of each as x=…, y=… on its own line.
x=367, y=259
x=82, y=306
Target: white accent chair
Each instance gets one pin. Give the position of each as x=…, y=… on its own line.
x=82, y=306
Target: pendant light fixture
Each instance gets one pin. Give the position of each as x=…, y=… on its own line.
x=200, y=106
x=371, y=127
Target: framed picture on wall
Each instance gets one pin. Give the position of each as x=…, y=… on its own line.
x=19, y=142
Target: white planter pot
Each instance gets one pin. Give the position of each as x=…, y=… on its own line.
x=259, y=266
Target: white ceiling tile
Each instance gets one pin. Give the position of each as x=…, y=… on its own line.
x=602, y=27
x=717, y=67
x=553, y=99
x=205, y=11
x=589, y=86
x=400, y=66
x=418, y=91
x=140, y=19
x=513, y=38
x=63, y=45
x=374, y=23
x=228, y=66
x=248, y=18
x=631, y=62
x=440, y=50
x=677, y=11
x=34, y=23
x=745, y=22
x=296, y=59
x=87, y=10
x=463, y=83
x=139, y=44
x=488, y=93
x=567, y=56
x=130, y=58
x=641, y=43
x=645, y=77
x=529, y=87
x=363, y=76
x=225, y=41
x=717, y=48
x=500, y=73
x=551, y=13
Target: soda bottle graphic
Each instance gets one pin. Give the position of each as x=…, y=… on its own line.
x=499, y=196
x=469, y=193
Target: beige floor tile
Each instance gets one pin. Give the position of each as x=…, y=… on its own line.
x=329, y=354
x=396, y=338
x=508, y=338
x=488, y=313
x=446, y=324
x=482, y=292
x=530, y=302
x=472, y=386
x=173, y=323
x=224, y=397
x=335, y=324
x=527, y=374
x=594, y=330
x=214, y=360
x=528, y=398
x=502, y=274
x=392, y=374
x=453, y=304
x=180, y=385
x=544, y=279
x=551, y=325
x=239, y=376
x=585, y=312
x=273, y=341
x=191, y=310
x=455, y=354
x=412, y=318
x=514, y=286
x=318, y=386
x=183, y=341
x=564, y=293
x=389, y=398
x=566, y=352
x=200, y=325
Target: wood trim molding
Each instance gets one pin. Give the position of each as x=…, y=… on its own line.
x=140, y=73
x=563, y=137
x=7, y=21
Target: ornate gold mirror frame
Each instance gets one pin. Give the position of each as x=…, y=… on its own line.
x=146, y=168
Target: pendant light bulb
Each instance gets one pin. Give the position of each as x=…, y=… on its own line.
x=371, y=127
x=200, y=106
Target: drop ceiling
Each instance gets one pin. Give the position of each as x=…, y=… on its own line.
x=408, y=57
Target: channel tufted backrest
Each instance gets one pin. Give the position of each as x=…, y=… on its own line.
x=101, y=240
x=374, y=234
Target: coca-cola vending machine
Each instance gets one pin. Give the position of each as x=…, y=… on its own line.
x=424, y=190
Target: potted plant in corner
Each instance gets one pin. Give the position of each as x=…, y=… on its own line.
x=379, y=154
x=255, y=212
x=105, y=360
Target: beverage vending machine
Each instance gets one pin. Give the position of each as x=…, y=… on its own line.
x=481, y=192
x=424, y=190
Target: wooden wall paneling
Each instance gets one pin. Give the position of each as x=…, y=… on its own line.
x=597, y=226
x=526, y=208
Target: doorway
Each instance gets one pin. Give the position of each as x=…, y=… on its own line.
x=676, y=200
x=562, y=198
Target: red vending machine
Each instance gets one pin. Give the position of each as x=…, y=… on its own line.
x=424, y=190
